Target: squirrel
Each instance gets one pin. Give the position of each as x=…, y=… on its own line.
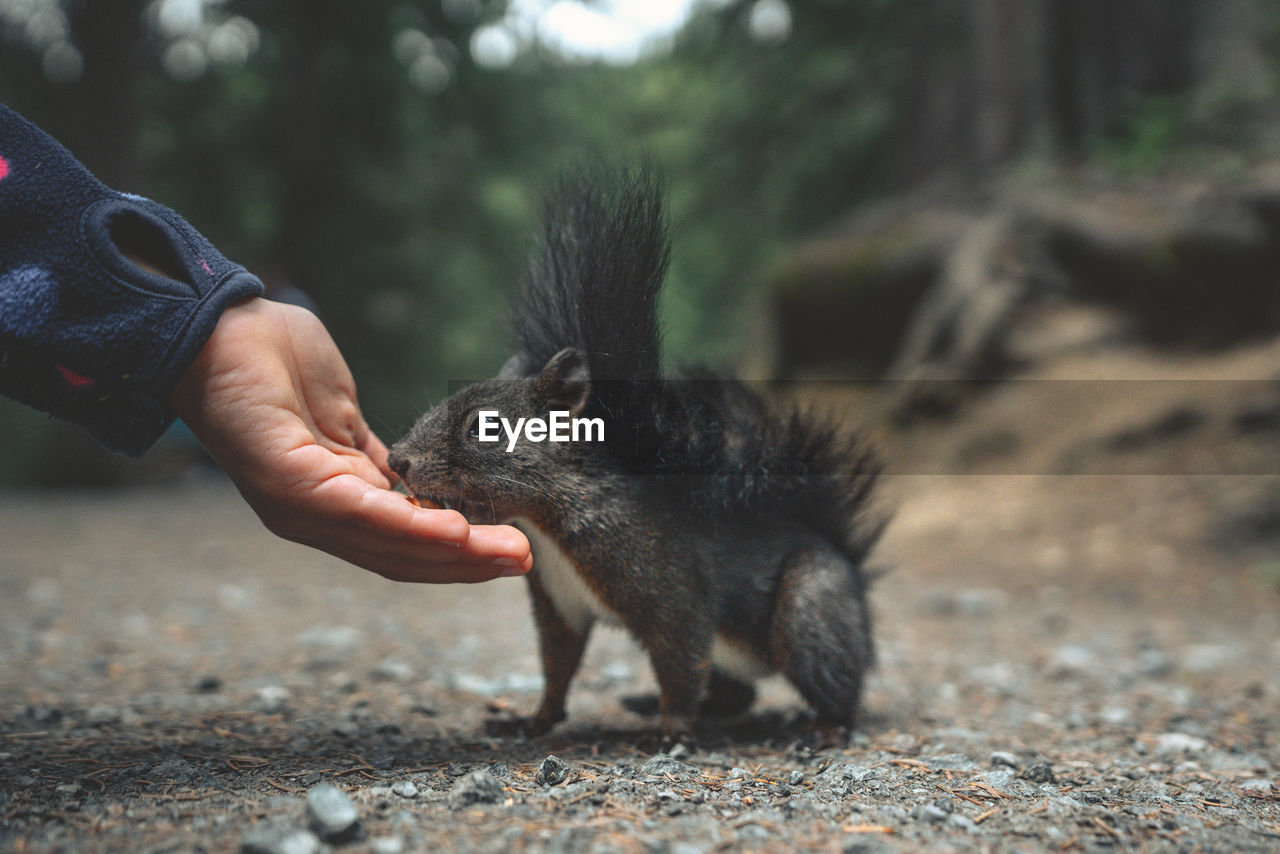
x=728, y=536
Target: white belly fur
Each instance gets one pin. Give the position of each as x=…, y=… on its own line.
x=579, y=606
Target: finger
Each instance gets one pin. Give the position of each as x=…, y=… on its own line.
x=489, y=542
x=387, y=514
x=374, y=449
x=420, y=566
x=349, y=500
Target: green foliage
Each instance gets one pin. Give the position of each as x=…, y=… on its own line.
x=1150, y=134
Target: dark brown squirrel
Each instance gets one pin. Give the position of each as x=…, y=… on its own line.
x=726, y=535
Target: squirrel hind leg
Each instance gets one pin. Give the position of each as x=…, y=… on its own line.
x=726, y=697
x=821, y=634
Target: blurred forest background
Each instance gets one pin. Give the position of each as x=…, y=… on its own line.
x=387, y=157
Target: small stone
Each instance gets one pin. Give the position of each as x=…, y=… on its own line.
x=208, y=685
x=662, y=763
x=678, y=752
x=1154, y=664
x=951, y=762
x=1114, y=716
x=739, y=774
x=272, y=697
x=331, y=814
x=405, y=789
x=796, y=778
x=277, y=838
x=1041, y=772
x=1207, y=657
x=1008, y=760
x=393, y=670
x=386, y=845
x=929, y=812
x=1070, y=660
x=552, y=772
x=1179, y=743
x=1257, y=784
x=102, y=714
x=331, y=637
x=478, y=787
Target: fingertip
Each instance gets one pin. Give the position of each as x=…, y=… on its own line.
x=449, y=527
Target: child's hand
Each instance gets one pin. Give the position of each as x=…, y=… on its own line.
x=272, y=400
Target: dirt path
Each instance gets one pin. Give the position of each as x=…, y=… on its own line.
x=1068, y=662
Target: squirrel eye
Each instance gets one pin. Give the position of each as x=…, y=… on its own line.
x=473, y=427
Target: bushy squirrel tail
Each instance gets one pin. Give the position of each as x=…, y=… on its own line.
x=594, y=281
x=594, y=285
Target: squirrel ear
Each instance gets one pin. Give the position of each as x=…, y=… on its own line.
x=565, y=381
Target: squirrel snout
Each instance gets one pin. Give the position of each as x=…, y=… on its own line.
x=398, y=463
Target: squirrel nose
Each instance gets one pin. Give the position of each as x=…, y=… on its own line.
x=398, y=463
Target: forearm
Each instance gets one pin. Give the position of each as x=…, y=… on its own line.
x=86, y=333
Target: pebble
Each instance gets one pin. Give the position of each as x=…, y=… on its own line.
x=796, y=778
x=386, y=845
x=1154, y=664
x=929, y=812
x=478, y=787
x=1070, y=660
x=951, y=762
x=1005, y=758
x=332, y=638
x=552, y=772
x=409, y=789
x=272, y=696
x=208, y=685
x=846, y=771
x=393, y=670
x=277, y=838
x=1179, y=743
x=102, y=714
x=331, y=814
x=509, y=683
x=1257, y=784
x=1206, y=657
x=975, y=602
x=1041, y=772
x=662, y=763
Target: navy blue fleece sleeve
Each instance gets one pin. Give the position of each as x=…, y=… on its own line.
x=86, y=334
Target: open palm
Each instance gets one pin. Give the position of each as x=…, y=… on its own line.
x=272, y=400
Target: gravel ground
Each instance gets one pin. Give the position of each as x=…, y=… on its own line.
x=1067, y=662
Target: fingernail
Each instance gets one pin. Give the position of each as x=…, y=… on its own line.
x=453, y=544
x=507, y=561
x=511, y=572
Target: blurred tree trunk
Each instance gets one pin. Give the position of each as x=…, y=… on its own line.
x=986, y=80
x=1006, y=77
x=100, y=114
